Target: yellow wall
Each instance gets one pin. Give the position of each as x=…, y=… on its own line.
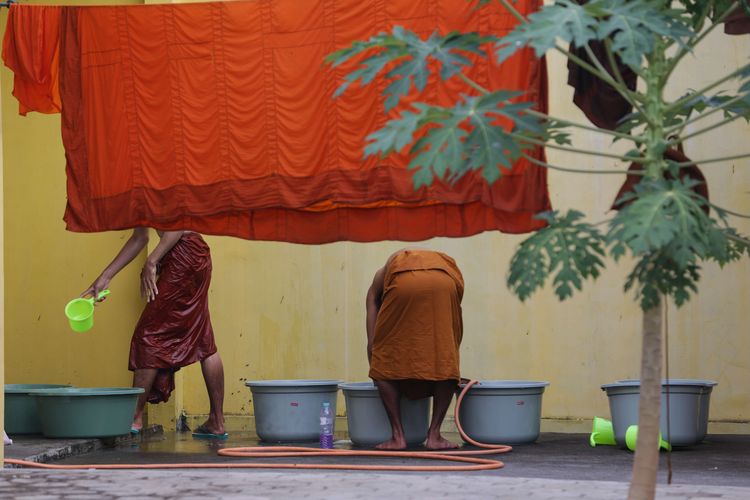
x=292, y=311
x=47, y=266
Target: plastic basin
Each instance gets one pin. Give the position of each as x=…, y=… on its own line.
x=289, y=410
x=90, y=412
x=368, y=423
x=503, y=411
x=21, y=416
x=705, y=400
x=689, y=401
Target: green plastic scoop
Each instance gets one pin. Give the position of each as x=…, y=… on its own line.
x=80, y=312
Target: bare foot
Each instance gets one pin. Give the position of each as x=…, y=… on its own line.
x=439, y=443
x=137, y=424
x=212, y=427
x=392, y=445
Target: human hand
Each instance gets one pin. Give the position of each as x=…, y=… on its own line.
x=149, y=291
x=101, y=283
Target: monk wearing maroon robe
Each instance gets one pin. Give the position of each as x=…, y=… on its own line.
x=414, y=330
x=175, y=327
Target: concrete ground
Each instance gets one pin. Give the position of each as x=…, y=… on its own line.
x=556, y=466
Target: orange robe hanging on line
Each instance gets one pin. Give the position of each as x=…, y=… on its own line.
x=220, y=118
x=419, y=326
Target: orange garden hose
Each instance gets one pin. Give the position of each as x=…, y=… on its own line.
x=470, y=463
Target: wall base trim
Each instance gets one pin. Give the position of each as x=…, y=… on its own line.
x=246, y=423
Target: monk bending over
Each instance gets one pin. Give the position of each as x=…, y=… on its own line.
x=414, y=330
x=175, y=327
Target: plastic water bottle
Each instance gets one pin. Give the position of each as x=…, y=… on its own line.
x=326, y=426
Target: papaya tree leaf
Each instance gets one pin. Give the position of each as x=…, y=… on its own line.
x=567, y=249
x=655, y=273
x=396, y=134
x=565, y=20
x=664, y=216
x=634, y=25
x=447, y=143
x=439, y=151
x=411, y=56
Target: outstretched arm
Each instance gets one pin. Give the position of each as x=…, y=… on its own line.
x=373, y=303
x=148, y=273
x=137, y=241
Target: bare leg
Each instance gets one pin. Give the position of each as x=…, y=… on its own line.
x=213, y=374
x=142, y=377
x=390, y=396
x=441, y=400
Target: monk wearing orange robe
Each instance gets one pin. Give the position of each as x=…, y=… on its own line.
x=414, y=330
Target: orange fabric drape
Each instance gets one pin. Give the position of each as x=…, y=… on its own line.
x=31, y=49
x=219, y=117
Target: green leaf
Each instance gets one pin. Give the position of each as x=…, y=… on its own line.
x=441, y=150
x=369, y=70
x=395, y=90
x=411, y=56
x=557, y=133
x=423, y=177
x=665, y=216
x=655, y=274
x=490, y=146
x=464, y=138
x=450, y=49
x=564, y=19
x=634, y=25
x=396, y=134
x=668, y=232
x=725, y=249
x=701, y=103
x=696, y=9
x=568, y=250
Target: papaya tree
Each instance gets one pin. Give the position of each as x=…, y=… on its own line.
x=665, y=220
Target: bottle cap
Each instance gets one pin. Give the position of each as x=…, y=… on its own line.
x=326, y=403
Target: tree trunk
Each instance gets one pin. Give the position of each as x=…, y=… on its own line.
x=646, y=462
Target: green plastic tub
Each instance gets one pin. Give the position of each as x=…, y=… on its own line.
x=21, y=415
x=91, y=412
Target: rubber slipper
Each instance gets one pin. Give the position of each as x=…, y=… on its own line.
x=203, y=433
x=134, y=431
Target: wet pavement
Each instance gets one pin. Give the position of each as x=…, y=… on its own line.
x=556, y=466
x=719, y=460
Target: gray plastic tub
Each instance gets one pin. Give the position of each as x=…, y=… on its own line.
x=503, y=411
x=708, y=386
x=88, y=412
x=368, y=422
x=289, y=410
x=689, y=401
x=21, y=415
